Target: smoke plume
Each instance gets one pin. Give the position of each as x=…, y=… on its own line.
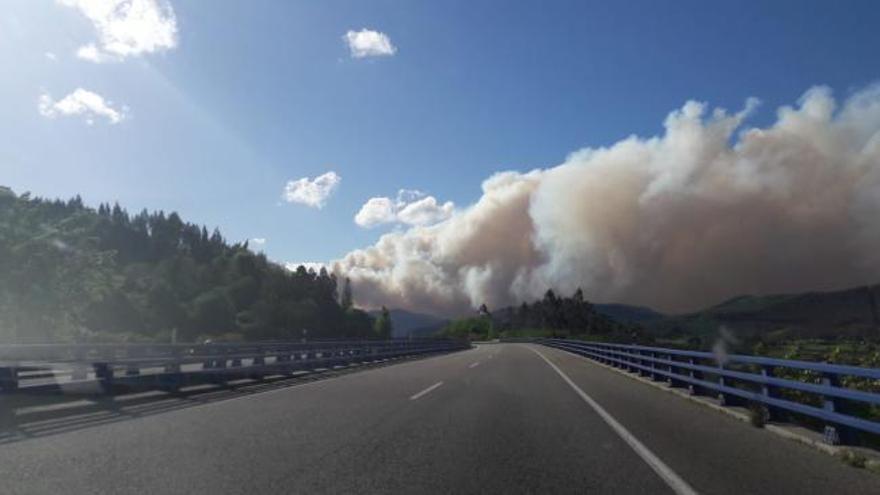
x=708, y=210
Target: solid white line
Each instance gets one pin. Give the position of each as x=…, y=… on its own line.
x=666, y=473
x=427, y=390
x=474, y=365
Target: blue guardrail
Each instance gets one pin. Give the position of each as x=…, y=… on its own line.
x=739, y=380
x=75, y=368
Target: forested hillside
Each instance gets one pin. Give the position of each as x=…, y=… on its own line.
x=72, y=273
x=852, y=313
x=551, y=316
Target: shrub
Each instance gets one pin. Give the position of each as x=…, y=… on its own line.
x=758, y=414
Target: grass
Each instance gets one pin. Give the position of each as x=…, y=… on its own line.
x=853, y=458
x=758, y=415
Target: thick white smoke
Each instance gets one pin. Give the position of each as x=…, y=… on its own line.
x=704, y=212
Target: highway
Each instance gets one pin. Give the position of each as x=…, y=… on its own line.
x=503, y=418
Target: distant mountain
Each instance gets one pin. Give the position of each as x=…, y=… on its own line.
x=625, y=313
x=407, y=323
x=849, y=313
x=844, y=313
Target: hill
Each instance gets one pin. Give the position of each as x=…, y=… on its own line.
x=849, y=313
x=69, y=272
x=410, y=324
x=626, y=313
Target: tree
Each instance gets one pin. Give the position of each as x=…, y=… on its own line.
x=484, y=311
x=70, y=272
x=383, y=326
x=487, y=316
x=346, y=299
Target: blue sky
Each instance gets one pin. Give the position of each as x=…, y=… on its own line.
x=255, y=94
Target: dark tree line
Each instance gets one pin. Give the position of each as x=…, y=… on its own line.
x=73, y=273
x=551, y=316
x=561, y=316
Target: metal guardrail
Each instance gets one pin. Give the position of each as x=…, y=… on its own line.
x=104, y=367
x=738, y=379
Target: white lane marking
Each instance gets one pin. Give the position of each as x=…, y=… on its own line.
x=666, y=473
x=474, y=365
x=426, y=391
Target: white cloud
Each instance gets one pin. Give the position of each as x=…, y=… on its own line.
x=81, y=102
x=314, y=192
x=375, y=211
x=51, y=56
x=126, y=27
x=90, y=52
x=411, y=207
x=259, y=241
x=368, y=43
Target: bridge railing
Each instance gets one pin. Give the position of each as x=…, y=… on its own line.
x=74, y=367
x=820, y=393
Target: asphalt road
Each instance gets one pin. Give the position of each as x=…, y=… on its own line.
x=495, y=419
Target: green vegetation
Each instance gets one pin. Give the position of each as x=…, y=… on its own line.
x=383, y=327
x=72, y=273
x=474, y=328
x=758, y=415
x=853, y=458
x=850, y=314
x=552, y=316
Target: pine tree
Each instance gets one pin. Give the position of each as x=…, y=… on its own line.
x=383, y=326
x=346, y=300
x=103, y=275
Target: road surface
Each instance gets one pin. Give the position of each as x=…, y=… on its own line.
x=494, y=419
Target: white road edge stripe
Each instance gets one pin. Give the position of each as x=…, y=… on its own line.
x=666, y=473
x=474, y=365
x=426, y=391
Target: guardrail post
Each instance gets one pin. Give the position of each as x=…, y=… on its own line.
x=724, y=398
x=171, y=380
x=218, y=363
x=104, y=375
x=637, y=360
x=208, y=363
x=284, y=360
x=673, y=382
x=835, y=434
x=769, y=391
x=79, y=372
x=221, y=361
x=694, y=389
x=132, y=370
x=653, y=356
x=8, y=379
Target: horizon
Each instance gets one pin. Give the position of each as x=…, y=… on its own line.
x=602, y=307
